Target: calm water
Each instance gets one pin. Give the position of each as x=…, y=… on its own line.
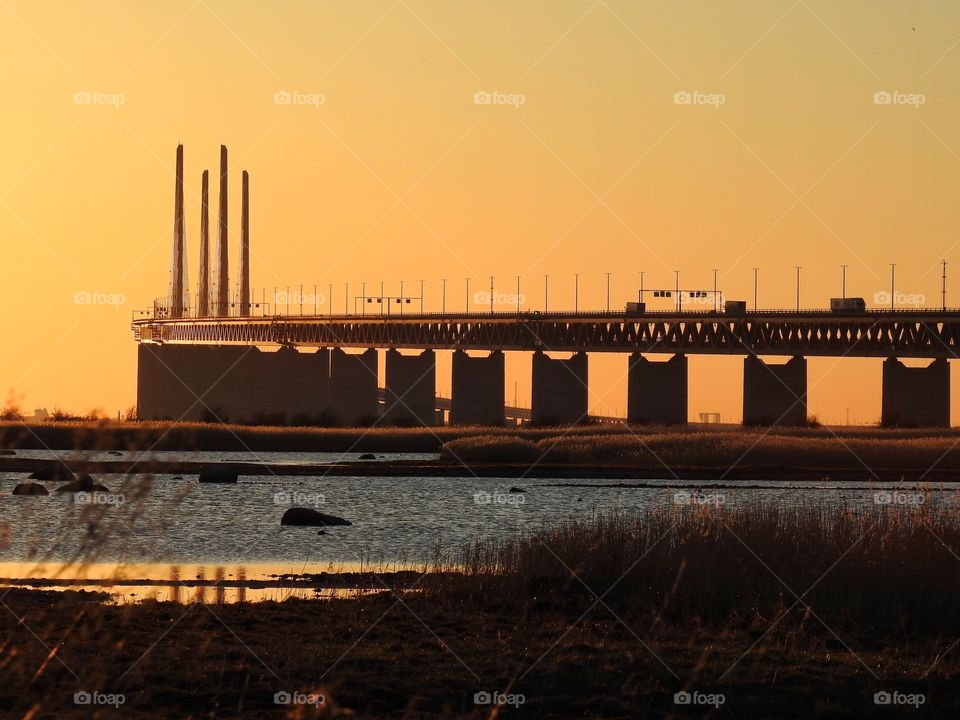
x=166, y=520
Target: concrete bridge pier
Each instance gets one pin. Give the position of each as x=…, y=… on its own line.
x=353, y=387
x=230, y=384
x=477, y=389
x=192, y=383
x=774, y=394
x=916, y=397
x=287, y=387
x=411, y=382
x=657, y=391
x=559, y=394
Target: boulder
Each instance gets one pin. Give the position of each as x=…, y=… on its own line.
x=114, y=452
x=84, y=483
x=368, y=456
x=304, y=517
x=30, y=489
x=517, y=490
x=218, y=474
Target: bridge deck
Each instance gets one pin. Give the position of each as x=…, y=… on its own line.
x=876, y=333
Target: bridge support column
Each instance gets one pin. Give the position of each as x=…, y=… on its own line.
x=230, y=384
x=288, y=387
x=353, y=387
x=916, y=397
x=411, y=384
x=657, y=391
x=477, y=385
x=191, y=383
x=774, y=394
x=559, y=390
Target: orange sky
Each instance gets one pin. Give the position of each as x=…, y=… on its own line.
x=586, y=163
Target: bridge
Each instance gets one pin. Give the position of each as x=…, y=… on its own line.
x=209, y=360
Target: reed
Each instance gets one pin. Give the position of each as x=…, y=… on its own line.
x=881, y=571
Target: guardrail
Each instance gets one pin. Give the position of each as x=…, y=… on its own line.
x=260, y=311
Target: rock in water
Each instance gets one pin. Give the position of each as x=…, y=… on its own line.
x=85, y=483
x=218, y=475
x=305, y=517
x=30, y=489
x=517, y=490
x=7, y=452
x=368, y=456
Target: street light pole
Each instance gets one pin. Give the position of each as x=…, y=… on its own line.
x=798, y=287
x=676, y=278
x=608, y=292
x=491, y=294
x=518, y=294
x=843, y=282
x=546, y=293
x=715, y=296
x=756, y=283
x=443, y=298
x=421, y=297
x=943, y=286
x=468, y=295
x=893, y=284
x=329, y=298
x=576, y=292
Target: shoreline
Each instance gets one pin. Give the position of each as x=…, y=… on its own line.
x=507, y=471
x=170, y=435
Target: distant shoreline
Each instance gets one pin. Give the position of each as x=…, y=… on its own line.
x=713, y=476
x=171, y=435
x=696, y=453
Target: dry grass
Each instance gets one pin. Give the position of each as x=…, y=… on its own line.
x=879, y=571
x=164, y=435
x=699, y=448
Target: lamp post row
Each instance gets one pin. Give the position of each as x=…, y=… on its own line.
x=384, y=300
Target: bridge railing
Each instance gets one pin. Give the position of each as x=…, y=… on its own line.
x=162, y=310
